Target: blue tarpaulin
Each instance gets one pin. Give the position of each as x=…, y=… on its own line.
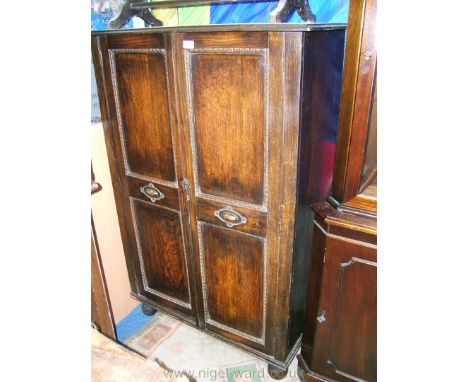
x=326, y=11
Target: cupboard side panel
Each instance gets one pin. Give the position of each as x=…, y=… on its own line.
x=322, y=75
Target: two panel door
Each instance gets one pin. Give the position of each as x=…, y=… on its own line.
x=223, y=89
x=148, y=172
x=191, y=126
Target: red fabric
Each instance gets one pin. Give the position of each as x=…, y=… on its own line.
x=327, y=159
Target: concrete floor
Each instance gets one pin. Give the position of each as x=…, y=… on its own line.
x=201, y=357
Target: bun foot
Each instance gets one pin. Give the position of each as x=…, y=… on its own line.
x=148, y=310
x=276, y=372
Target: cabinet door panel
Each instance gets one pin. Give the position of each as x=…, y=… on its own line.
x=356, y=300
x=140, y=87
x=345, y=347
x=161, y=252
x=233, y=273
x=231, y=115
x=146, y=163
x=227, y=92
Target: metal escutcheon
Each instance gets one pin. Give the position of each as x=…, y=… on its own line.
x=151, y=192
x=321, y=318
x=230, y=217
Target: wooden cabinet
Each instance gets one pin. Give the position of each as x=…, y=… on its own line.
x=211, y=133
x=340, y=333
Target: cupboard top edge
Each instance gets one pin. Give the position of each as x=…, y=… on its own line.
x=327, y=213
x=305, y=27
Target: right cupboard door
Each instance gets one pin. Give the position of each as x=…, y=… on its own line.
x=223, y=81
x=345, y=346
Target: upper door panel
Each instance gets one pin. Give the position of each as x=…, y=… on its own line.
x=227, y=92
x=140, y=82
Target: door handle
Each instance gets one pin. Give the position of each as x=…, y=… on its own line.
x=151, y=192
x=230, y=217
x=95, y=187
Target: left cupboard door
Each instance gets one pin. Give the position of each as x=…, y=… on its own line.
x=136, y=90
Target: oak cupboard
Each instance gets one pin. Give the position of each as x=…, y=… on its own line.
x=340, y=332
x=214, y=137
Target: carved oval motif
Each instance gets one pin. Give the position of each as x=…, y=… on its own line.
x=230, y=217
x=151, y=192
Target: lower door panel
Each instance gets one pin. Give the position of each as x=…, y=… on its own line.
x=161, y=254
x=233, y=268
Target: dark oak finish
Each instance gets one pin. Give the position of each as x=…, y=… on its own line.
x=354, y=299
x=224, y=247
x=159, y=233
x=276, y=372
x=159, y=134
x=171, y=194
x=142, y=93
x=233, y=264
x=316, y=153
x=229, y=123
x=256, y=223
x=369, y=166
x=340, y=337
x=356, y=107
x=340, y=333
